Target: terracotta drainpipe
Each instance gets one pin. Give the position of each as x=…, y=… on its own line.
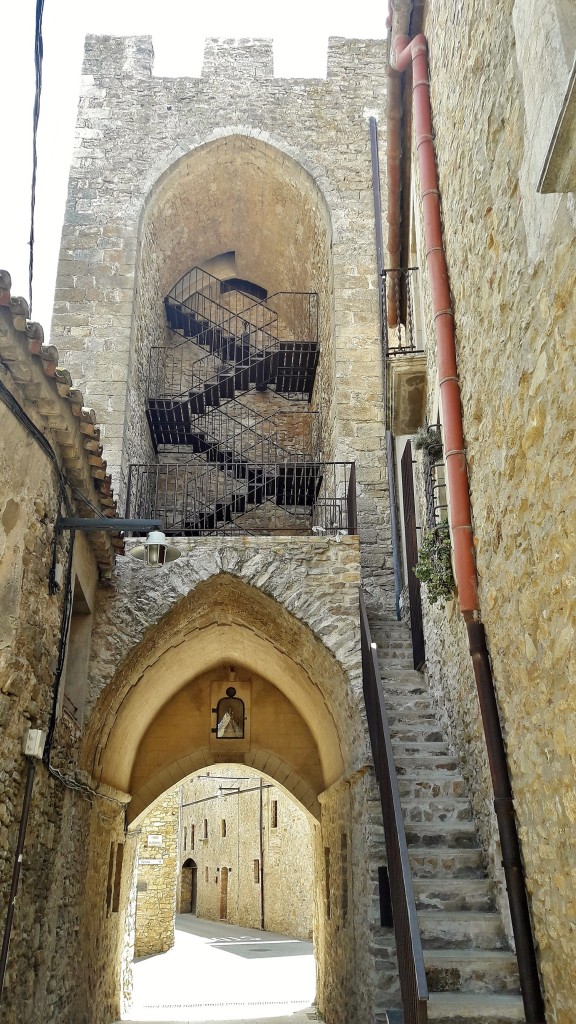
x=415, y=51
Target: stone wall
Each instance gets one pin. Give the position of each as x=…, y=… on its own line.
x=40, y=454
x=156, y=867
x=510, y=255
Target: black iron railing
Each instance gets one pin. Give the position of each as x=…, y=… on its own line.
x=435, y=494
x=400, y=331
x=297, y=496
x=413, y=984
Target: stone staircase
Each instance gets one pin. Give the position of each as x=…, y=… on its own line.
x=471, y=971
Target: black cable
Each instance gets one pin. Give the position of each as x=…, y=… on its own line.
x=38, y=58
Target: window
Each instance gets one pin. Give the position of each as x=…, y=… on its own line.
x=185, y=836
x=344, y=868
x=274, y=814
x=223, y=828
x=192, y=836
x=115, y=861
x=206, y=874
x=327, y=881
x=77, y=655
x=257, y=871
x=205, y=828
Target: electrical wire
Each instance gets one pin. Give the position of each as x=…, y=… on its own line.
x=38, y=58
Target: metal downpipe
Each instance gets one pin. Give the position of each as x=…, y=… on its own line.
x=415, y=51
x=391, y=478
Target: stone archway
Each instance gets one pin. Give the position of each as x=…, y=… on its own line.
x=166, y=656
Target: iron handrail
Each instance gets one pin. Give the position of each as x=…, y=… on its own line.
x=413, y=985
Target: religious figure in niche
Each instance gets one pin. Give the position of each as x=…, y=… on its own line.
x=230, y=716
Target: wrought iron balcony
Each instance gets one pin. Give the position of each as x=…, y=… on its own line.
x=194, y=498
x=400, y=332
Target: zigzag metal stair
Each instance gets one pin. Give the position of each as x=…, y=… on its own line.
x=194, y=405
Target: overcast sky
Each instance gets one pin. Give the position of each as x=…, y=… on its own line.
x=300, y=30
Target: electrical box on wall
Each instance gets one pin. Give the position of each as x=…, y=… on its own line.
x=34, y=741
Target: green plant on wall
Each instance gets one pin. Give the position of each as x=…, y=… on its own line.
x=429, y=440
x=434, y=567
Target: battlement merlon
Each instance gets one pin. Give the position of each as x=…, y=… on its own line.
x=133, y=57
x=118, y=56
x=365, y=58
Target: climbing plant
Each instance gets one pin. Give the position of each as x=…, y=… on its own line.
x=434, y=567
x=429, y=440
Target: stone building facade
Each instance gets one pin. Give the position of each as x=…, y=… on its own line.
x=246, y=853
x=260, y=187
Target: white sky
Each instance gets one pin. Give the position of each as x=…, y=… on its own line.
x=300, y=29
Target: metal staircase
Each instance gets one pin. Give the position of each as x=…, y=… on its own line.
x=236, y=451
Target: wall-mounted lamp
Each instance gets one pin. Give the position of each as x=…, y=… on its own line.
x=155, y=550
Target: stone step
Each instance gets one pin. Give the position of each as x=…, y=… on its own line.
x=399, y=675
x=395, y=662
x=475, y=1008
x=453, y=894
x=407, y=703
x=457, y=929
x=415, y=732
x=471, y=970
x=445, y=862
x=432, y=785
x=429, y=748
x=447, y=809
x=418, y=764
x=453, y=834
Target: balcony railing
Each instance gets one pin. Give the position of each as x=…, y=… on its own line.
x=194, y=498
x=401, y=336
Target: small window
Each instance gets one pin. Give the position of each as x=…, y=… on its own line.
x=257, y=871
x=327, y=881
x=223, y=828
x=274, y=814
x=185, y=836
x=77, y=655
x=344, y=866
x=205, y=828
x=192, y=836
x=206, y=873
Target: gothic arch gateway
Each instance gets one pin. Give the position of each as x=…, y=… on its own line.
x=151, y=726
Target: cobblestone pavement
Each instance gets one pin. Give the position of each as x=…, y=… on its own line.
x=218, y=972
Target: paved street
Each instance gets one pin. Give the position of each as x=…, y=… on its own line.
x=218, y=972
